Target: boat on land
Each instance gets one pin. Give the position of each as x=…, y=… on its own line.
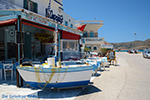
x=69, y=74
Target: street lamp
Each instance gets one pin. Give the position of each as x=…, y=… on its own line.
x=135, y=35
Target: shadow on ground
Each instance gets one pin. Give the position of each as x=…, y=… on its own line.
x=55, y=94
x=107, y=66
x=89, y=90
x=8, y=82
x=13, y=82
x=115, y=65
x=96, y=74
x=67, y=93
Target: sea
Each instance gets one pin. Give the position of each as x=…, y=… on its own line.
x=128, y=50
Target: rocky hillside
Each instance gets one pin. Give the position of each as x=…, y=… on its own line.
x=132, y=45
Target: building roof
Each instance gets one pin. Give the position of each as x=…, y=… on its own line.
x=91, y=25
x=106, y=43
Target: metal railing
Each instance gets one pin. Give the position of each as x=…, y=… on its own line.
x=93, y=39
x=89, y=21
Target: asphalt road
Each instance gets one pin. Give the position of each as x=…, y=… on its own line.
x=130, y=80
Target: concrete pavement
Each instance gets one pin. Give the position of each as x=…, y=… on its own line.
x=130, y=80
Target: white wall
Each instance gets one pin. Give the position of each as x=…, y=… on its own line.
x=43, y=4
x=69, y=19
x=16, y=2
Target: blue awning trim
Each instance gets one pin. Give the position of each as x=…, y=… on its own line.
x=9, y=12
x=8, y=17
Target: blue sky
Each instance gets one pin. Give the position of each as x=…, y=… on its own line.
x=122, y=18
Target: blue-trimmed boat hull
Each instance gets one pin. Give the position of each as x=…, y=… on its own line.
x=58, y=85
x=66, y=77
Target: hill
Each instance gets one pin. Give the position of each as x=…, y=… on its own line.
x=132, y=45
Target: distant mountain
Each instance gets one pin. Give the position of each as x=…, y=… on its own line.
x=132, y=45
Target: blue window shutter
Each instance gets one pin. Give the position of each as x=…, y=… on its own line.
x=25, y=4
x=85, y=34
x=71, y=26
x=35, y=7
x=91, y=34
x=66, y=23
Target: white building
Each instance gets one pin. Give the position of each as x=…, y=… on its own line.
x=107, y=45
x=90, y=34
x=41, y=7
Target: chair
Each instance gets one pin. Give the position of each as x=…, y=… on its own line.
x=7, y=68
x=104, y=62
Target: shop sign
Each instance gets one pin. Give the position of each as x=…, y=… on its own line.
x=51, y=15
x=40, y=20
x=106, y=46
x=36, y=19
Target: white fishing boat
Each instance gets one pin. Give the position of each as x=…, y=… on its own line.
x=70, y=74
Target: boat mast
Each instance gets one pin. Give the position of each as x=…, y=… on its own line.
x=56, y=30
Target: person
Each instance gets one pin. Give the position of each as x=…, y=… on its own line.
x=99, y=54
x=84, y=57
x=119, y=50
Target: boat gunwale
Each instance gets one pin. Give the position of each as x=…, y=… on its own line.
x=56, y=70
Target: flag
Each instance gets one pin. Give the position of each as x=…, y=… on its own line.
x=81, y=28
x=49, y=6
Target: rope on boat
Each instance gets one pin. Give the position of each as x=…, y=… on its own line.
x=38, y=76
x=53, y=70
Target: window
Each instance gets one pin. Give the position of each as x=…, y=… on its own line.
x=85, y=34
x=95, y=48
x=66, y=23
x=83, y=41
x=91, y=34
x=89, y=48
x=69, y=45
x=30, y=5
x=71, y=26
x=96, y=34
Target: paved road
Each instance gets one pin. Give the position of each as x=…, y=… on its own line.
x=130, y=80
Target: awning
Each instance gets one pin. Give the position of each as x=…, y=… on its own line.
x=69, y=35
x=37, y=25
x=8, y=22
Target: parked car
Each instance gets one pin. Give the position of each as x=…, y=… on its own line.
x=131, y=51
x=146, y=53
